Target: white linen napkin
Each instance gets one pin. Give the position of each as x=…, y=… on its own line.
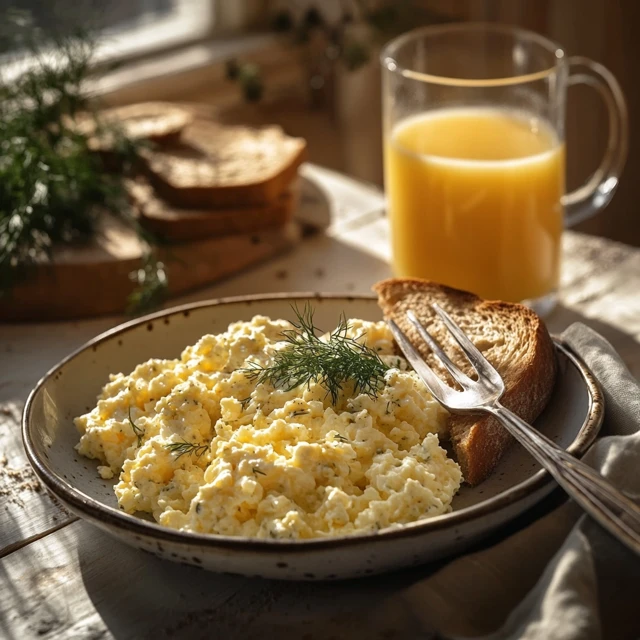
x=563, y=577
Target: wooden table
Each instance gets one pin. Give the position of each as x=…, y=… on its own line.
x=62, y=578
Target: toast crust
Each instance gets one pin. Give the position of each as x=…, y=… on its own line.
x=217, y=165
x=178, y=225
x=513, y=338
x=160, y=122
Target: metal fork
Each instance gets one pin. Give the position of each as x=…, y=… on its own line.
x=612, y=509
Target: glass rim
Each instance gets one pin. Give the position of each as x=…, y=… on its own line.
x=390, y=50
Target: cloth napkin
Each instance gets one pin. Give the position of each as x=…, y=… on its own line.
x=562, y=577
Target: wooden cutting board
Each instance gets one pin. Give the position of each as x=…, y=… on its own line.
x=93, y=279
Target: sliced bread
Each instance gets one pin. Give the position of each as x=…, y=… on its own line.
x=160, y=122
x=512, y=337
x=177, y=225
x=217, y=165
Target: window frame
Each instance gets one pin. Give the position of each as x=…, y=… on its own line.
x=122, y=46
x=225, y=20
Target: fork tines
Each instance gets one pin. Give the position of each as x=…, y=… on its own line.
x=487, y=374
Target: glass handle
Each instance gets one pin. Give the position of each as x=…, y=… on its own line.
x=597, y=192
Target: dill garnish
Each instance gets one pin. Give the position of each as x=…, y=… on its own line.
x=256, y=470
x=55, y=184
x=245, y=402
x=332, y=363
x=300, y=412
x=138, y=431
x=340, y=437
x=151, y=285
x=187, y=448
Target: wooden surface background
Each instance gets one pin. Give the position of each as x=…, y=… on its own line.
x=62, y=578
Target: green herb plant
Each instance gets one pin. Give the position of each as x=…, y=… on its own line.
x=138, y=431
x=184, y=447
x=351, y=40
x=333, y=362
x=53, y=183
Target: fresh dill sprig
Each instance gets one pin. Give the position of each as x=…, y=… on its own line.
x=138, y=431
x=332, y=363
x=187, y=448
x=258, y=471
x=152, y=285
x=340, y=437
x=54, y=184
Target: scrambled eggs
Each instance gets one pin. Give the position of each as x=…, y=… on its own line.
x=204, y=448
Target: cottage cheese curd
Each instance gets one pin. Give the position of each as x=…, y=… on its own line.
x=266, y=462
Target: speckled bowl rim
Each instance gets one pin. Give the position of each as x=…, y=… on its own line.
x=92, y=509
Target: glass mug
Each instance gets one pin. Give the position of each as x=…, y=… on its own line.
x=474, y=118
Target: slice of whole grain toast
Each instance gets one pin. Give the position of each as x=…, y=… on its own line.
x=511, y=336
x=216, y=165
x=174, y=224
x=159, y=122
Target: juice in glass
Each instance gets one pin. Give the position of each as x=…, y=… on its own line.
x=475, y=200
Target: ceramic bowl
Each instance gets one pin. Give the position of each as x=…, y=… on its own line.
x=572, y=419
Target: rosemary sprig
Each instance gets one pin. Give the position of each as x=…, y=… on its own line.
x=184, y=447
x=332, y=363
x=138, y=431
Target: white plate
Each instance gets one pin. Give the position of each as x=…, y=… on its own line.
x=572, y=419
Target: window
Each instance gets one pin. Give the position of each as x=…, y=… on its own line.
x=128, y=27
x=140, y=26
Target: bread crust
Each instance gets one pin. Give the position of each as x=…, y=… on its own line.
x=479, y=441
x=161, y=122
x=175, y=224
x=212, y=168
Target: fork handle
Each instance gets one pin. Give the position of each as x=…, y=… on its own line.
x=601, y=500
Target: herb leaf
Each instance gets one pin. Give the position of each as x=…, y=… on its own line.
x=151, y=286
x=331, y=363
x=138, y=431
x=184, y=447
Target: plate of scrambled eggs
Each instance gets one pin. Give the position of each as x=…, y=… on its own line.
x=282, y=436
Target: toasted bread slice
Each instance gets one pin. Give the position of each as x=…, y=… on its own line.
x=178, y=225
x=160, y=122
x=512, y=337
x=219, y=165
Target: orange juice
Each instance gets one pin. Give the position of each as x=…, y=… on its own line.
x=475, y=201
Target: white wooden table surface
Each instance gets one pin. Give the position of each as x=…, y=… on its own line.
x=62, y=578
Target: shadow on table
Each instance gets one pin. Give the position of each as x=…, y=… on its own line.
x=138, y=595
x=322, y=264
